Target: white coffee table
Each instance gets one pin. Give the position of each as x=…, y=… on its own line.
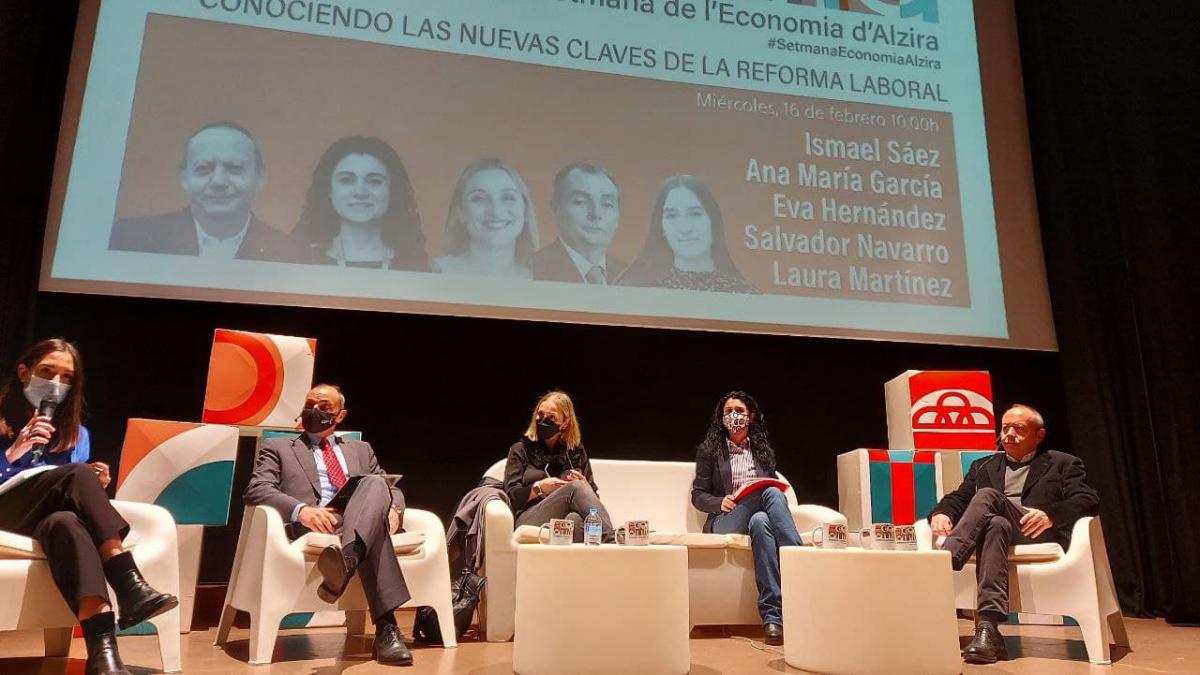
x=863, y=611
x=601, y=609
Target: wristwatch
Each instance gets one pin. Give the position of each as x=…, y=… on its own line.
x=537, y=489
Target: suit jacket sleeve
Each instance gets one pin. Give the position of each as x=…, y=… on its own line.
x=703, y=495
x=374, y=468
x=1079, y=498
x=265, y=481
x=955, y=503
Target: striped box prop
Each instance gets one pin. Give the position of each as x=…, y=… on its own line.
x=955, y=466
x=184, y=467
x=940, y=410
x=255, y=379
x=887, y=486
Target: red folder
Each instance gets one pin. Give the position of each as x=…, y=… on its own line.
x=758, y=484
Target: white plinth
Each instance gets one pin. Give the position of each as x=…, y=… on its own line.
x=601, y=609
x=869, y=612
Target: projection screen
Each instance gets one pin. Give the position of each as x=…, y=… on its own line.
x=854, y=168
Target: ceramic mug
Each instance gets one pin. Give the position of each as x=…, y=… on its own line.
x=830, y=535
x=560, y=532
x=906, y=537
x=637, y=533
x=883, y=536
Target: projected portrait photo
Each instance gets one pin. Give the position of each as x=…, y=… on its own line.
x=685, y=244
x=360, y=210
x=586, y=205
x=491, y=227
x=221, y=174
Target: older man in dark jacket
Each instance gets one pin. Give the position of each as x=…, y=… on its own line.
x=1023, y=495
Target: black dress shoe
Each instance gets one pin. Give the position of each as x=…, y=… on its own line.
x=101, y=640
x=335, y=571
x=774, y=634
x=136, y=600
x=988, y=645
x=389, y=648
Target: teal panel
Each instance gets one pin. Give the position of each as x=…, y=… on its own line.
x=969, y=458
x=279, y=433
x=924, y=489
x=297, y=620
x=143, y=628
x=200, y=496
x=880, y=475
x=905, y=456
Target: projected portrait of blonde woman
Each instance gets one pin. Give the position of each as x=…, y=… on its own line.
x=491, y=227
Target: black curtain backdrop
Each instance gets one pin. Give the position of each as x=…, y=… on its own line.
x=441, y=398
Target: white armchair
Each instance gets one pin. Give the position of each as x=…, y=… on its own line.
x=1043, y=579
x=32, y=601
x=273, y=577
x=720, y=567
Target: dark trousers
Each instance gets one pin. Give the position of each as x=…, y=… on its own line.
x=989, y=526
x=69, y=514
x=765, y=516
x=366, y=519
x=572, y=501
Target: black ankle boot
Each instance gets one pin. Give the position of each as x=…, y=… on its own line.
x=135, y=599
x=101, y=639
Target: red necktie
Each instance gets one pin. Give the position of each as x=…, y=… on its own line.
x=332, y=468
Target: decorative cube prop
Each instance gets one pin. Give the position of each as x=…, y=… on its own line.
x=255, y=379
x=187, y=469
x=887, y=486
x=940, y=410
x=184, y=467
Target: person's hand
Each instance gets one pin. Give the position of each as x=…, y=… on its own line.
x=102, y=473
x=941, y=525
x=550, y=484
x=319, y=519
x=1035, y=522
x=394, y=521
x=727, y=503
x=39, y=430
x=573, y=475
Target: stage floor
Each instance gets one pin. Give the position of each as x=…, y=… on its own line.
x=1045, y=650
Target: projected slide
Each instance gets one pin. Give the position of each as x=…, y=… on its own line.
x=815, y=167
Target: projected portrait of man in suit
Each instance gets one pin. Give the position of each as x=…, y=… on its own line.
x=221, y=175
x=587, y=206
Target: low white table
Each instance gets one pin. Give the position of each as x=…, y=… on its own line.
x=601, y=609
x=863, y=611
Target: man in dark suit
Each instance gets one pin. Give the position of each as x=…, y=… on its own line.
x=1020, y=496
x=221, y=174
x=299, y=476
x=586, y=204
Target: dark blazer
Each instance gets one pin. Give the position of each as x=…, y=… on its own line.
x=553, y=263
x=714, y=480
x=1056, y=483
x=286, y=473
x=528, y=462
x=175, y=233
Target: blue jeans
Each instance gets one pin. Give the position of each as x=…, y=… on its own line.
x=766, y=518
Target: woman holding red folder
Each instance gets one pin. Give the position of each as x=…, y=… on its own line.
x=735, y=453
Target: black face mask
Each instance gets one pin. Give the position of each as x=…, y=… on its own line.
x=316, y=420
x=547, y=429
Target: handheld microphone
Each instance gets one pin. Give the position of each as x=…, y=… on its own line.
x=46, y=409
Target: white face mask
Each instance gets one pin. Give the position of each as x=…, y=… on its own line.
x=40, y=389
x=735, y=421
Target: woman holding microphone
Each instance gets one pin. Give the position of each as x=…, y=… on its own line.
x=49, y=492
